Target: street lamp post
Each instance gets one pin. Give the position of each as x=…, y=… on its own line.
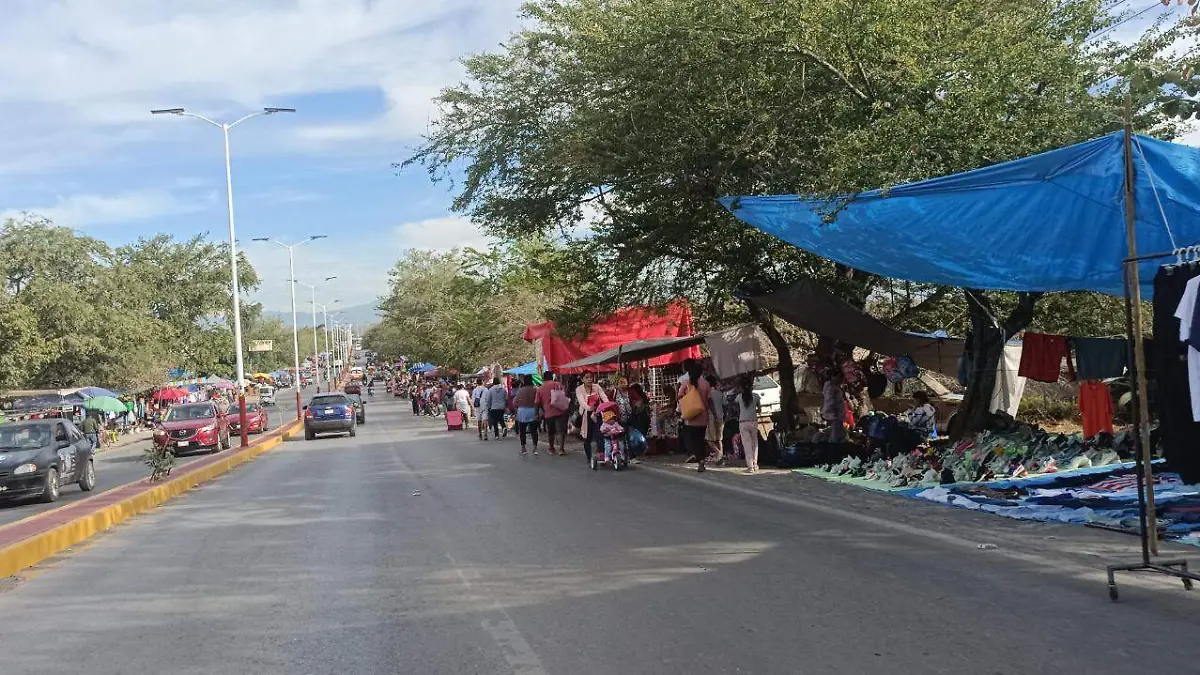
x=291, y=248
x=316, y=348
x=328, y=353
x=233, y=262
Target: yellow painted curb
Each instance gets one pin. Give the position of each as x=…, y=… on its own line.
x=39, y=547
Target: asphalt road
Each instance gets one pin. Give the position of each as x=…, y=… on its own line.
x=123, y=465
x=410, y=550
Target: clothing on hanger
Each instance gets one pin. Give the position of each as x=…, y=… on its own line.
x=1042, y=357
x=1095, y=405
x=1168, y=368
x=1185, y=311
x=1098, y=358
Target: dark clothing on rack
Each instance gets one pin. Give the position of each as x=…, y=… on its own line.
x=1098, y=358
x=1180, y=436
x=1042, y=357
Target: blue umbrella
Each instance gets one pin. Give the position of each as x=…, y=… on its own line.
x=92, y=392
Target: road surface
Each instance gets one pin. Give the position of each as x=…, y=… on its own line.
x=123, y=465
x=411, y=550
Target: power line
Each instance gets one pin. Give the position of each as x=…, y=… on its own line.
x=1128, y=19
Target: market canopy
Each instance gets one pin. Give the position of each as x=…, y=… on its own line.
x=523, y=369
x=621, y=327
x=813, y=307
x=1050, y=222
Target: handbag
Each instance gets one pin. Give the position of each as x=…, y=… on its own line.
x=691, y=405
x=558, y=399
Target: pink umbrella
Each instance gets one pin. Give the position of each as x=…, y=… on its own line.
x=224, y=384
x=169, y=394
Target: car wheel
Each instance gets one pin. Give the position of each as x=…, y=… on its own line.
x=353, y=431
x=87, y=482
x=309, y=435
x=225, y=442
x=50, y=486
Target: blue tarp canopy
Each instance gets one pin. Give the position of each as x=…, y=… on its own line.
x=525, y=369
x=1050, y=222
x=423, y=368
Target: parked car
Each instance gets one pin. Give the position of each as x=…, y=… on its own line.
x=38, y=457
x=770, y=394
x=266, y=395
x=257, y=420
x=193, y=426
x=360, y=408
x=329, y=413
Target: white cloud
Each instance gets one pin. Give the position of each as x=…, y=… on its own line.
x=100, y=66
x=85, y=210
x=442, y=234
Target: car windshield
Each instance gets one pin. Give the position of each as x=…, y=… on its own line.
x=198, y=411
x=253, y=407
x=355, y=398
x=24, y=436
x=764, y=382
x=329, y=400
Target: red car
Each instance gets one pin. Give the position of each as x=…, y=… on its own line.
x=257, y=421
x=193, y=426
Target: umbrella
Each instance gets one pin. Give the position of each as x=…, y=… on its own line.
x=169, y=394
x=223, y=384
x=90, y=392
x=104, y=404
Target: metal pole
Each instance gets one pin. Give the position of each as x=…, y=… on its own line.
x=237, y=303
x=295, y=330
x=316, y=355
x=1142, y=416
x=328, y=355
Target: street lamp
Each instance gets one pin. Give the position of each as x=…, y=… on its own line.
x=295, y=327
x=328, y=354
x=233, y=267
x=316, y=349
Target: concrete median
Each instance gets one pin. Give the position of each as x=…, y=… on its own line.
x=30, y=541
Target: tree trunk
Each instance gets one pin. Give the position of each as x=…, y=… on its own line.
x=787, y=369
x=988, y=336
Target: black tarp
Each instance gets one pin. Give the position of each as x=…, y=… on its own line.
x=809, y=305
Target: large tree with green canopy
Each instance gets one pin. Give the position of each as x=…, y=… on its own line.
x=633, y=116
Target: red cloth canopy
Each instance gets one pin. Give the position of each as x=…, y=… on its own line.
x=626, y=325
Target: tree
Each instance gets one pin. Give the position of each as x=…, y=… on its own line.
x=635, y=116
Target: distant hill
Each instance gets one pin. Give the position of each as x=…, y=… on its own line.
x=359, y=315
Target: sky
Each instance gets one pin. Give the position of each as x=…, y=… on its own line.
x=79, y=77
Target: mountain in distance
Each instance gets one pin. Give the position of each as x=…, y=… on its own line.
x=359, y=315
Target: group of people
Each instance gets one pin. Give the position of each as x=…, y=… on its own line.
x=620, y=416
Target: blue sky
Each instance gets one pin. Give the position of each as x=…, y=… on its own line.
x=78, y=78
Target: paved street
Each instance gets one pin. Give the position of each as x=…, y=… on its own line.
x=408, y=550
x=123, y=465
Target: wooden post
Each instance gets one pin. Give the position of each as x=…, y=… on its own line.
x=1139, y=345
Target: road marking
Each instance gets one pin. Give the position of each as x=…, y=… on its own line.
x=521, y=658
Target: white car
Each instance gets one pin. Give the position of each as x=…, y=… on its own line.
x=770, y=394
x=266, y=395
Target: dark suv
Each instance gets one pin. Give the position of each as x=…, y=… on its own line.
x=329, y=413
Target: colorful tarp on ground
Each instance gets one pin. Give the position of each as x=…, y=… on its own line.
x=1056, y=220
x=626, y=325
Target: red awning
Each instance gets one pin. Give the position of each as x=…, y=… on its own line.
x=626, y=325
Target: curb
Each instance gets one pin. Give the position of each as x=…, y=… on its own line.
x=38, y=547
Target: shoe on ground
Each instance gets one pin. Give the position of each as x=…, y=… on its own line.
x=700, y=469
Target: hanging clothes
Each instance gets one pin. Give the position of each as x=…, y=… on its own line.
x=1042, y=357
x=1185, y=311
x=1095, y=404
x=1100, y=358
x=1168, y=367
x=1009, y=387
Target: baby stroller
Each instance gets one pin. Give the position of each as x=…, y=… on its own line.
x=612, y=440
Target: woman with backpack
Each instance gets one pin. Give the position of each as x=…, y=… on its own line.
x=553, y=404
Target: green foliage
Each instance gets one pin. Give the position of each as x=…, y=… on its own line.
x=74, y=311
x=466, y=308
x=632, y=117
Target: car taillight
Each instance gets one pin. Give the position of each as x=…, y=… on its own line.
x=308, y=414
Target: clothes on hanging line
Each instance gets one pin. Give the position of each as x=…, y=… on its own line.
x=1168, y=367
x=1185, y=311
x=1042, y=357
x=1096, y=407
x=1098, y=358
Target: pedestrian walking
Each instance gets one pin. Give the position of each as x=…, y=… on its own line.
x=748, y=404
x=497, y=397
x=91, y=429
x=480, y=404
x=695, y=407
x=525, y=402
x=462, y=403
x=553, y=403
x=589, y=395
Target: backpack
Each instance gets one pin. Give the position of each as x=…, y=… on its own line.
x=559, y=399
